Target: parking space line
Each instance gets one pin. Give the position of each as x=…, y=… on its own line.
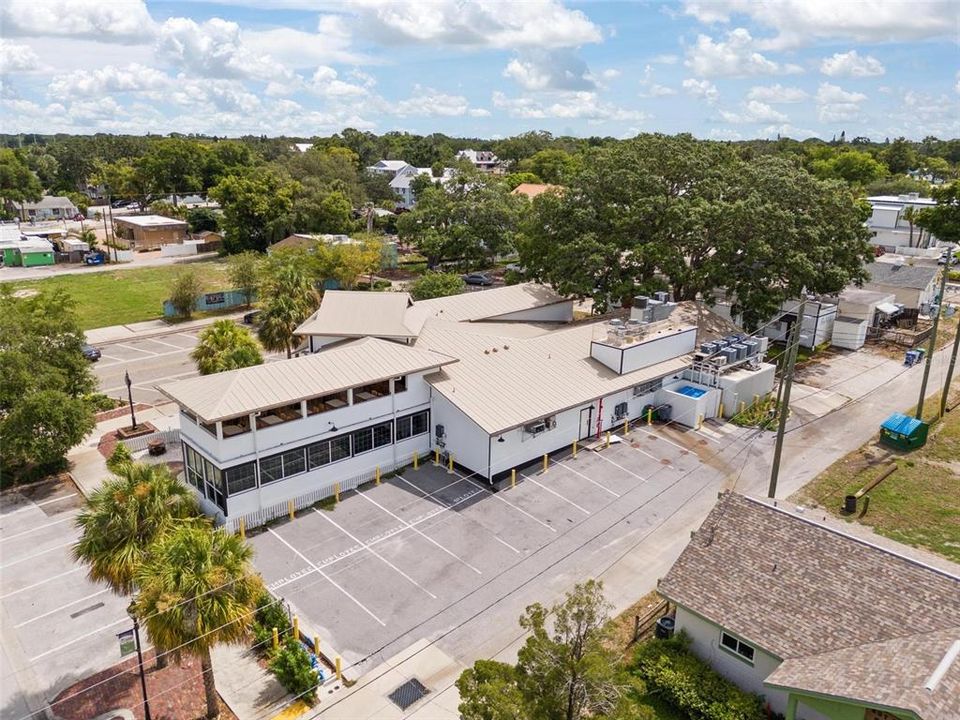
x=373, y=552
x=62, y=607
x=170, y=345
x=626, y=470
x=130, y=347
x=425, y=493
x=116, y=360
x=554, y=492
x=515, y=507
x=61, y=646
x=419, y=532
x=37, y=505
x=42, y=582
x=38, y=527
x=652, y=457
x=589, y=480
x=326, y=577
x=504, y=542
x=660, y=437
x=36, y=554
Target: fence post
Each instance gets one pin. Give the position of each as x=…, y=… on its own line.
x=636, y=628
x=290, y=509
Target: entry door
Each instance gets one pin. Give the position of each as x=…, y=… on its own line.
x=586, y=423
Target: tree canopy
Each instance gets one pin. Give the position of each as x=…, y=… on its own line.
x=224, y=345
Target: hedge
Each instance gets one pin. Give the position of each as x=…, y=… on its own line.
x=686, y=682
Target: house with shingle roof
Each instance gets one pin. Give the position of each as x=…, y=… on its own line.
x=823, y=624
x=913, y=285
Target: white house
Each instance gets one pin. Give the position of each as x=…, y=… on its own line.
x=494, y=378
x=49, y=207
x=483, y=160
x=858, y=312
x=388, y=167
x=891, y=231
x=825, y=625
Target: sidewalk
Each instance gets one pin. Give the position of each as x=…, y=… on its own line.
x=243, y=685
x=152, y=328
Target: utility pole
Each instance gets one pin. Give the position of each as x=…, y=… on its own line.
x=786, y=382
x=932, y=345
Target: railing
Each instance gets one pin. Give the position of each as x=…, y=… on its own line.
x=643, y=625
x=329, y=489
x=138, y=444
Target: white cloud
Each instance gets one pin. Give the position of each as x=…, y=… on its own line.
x=649, y=88
x=735, y=56
x=702, y=89
x=483, y=23
x=109, y=79
x=560, y=69
x=16, y=58
x=216, y=49
x=110, y=21
x=568, y=105
x=479, y=112
x=851, y=64
x=665, y=59
x=301, y=50
x=753, y=111
x=777, y=94
x=725, y=134
x=430, y=102
x=802, y=22
x=834, y=103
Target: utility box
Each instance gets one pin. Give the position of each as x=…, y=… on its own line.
x=903, y=433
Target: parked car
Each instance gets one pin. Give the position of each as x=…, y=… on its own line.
x=948, y=258
x=79, y=217
x=94, y=258
x=252, y=317
x=90, y=352
x=477, y=278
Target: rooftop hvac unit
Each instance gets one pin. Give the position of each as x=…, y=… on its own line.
x=640, y=302
x=719, y=360
x=730, y=354
x=741, y=350
x=708, y=348
x=752, y=347
x=662, y=296
x=615, y=323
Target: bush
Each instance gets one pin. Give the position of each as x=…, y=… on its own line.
x=436, y=284
x=183, y=294
x=953, y=276
x=100, y=402
x=679, y=677
x=291, y=666
x=118, y=458
x=270, y=614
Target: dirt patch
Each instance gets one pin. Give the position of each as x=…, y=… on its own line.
x=108, y=442
x=622, y=626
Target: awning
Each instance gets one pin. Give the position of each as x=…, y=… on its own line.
x=888, y=308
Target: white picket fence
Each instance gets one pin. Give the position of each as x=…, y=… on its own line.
x=282, y=509
x=141, y=443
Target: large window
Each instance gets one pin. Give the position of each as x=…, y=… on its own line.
x=240, y=478
x=235, y=426
x=372, y=437
x=371, y=392
x=326, y=403
x=328, y=451
x=271, y=468
x=415, y=424
x=736, y=646
x=194, y=466
x=279, y=415
x=282, y=465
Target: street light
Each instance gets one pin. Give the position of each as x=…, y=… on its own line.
x=143, y=678
x=129, y=382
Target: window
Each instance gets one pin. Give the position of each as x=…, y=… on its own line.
x=647, y=387
x=372, y=437
x=382, y=434
x=279, y=415
x=194, y=464
x=293, y=462
x=235, y=426
x=213, y=475
x=737, y=647
x=620, y=411
x=240, y=478
x=400, y=384
x=327, y=403
x=271, y=469
x=411, y=425
x=339, y=448
x=318, y=454
x=371, y=392
x=210, y=428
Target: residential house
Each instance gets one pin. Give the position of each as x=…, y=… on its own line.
x=859, y=312
x=388, y=167
x=302, y=147
x=816, y=328
x=482, y=160
x=823, y=624
x=531, y=190
x=489, y=380
x=914, y=286
x=890, y=229
x=49, y=207
x=149, y=232
x=401, y=184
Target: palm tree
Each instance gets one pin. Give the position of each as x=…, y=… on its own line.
x=125, y=516
x=287, y=299
x=225, y=346
x=198, y=590
x=910, y=215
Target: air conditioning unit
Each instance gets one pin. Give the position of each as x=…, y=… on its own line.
x=535, y=428
x=719, y=360
x=440, y=431
x=620, y=411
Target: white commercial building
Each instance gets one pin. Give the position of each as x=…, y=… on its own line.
x=489, y=380
x=890, y=230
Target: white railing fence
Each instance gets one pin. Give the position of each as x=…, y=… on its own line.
x=141, y=443
x=327, y=490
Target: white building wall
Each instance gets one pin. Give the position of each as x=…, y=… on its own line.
x=688, y=410
x=705, y=643
x=657, y=350
x=849, y=335
x=464, y=439
x=744, y=386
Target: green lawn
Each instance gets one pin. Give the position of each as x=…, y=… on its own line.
x=125, y=296
x=918, y=504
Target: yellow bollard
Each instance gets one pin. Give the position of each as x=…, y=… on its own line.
x=416, y=461
x=513, y=477
x=546, y=460
x=436, y=456
x=699, y=421
x=339, y=670
x=574, y=448
x=276, y=639
x=290, y=508
x=720, y=412
x=336, y=492
x=743, y=406
x=296, y=627
x=650, y=416
x=450, y=464
x=377, y=478
x=608, y=439
x=316, y=646
x=243, y=529
x=626, y=426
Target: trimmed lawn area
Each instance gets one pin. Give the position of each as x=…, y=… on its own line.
x=126, y=296
x=919, y=504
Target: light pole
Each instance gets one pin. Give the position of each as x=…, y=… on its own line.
x=126, y=379
x=143, y=678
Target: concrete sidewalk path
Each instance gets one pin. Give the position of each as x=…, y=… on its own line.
x=248, y=689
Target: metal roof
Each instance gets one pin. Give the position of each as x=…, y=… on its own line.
x=503, y=382
x=148, y=221
x=484, y=304
x=900, y=423
x=240, y=392
x=352, y=313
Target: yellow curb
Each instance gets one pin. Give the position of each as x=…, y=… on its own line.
x=294, y=711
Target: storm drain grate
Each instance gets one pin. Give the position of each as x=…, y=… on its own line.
x=408, y=693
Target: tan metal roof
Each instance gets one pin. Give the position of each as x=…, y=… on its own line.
x=240, y=392
x=483, y=304
x=503, y=382
x=345, y=313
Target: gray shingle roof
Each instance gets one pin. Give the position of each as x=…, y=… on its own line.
x=906, y=276
x=795, y=588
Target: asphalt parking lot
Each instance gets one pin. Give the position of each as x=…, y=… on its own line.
x=430, y=552
x=57, y=626
x=149, y=361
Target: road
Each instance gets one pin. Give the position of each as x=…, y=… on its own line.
x=141, y=260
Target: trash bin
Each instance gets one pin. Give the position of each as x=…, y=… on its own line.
x=664, y=628
x=664, y=412
x=850, y=504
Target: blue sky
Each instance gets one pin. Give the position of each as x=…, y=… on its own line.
x=726, y=69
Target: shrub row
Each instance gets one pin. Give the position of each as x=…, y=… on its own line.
x=290, y=663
